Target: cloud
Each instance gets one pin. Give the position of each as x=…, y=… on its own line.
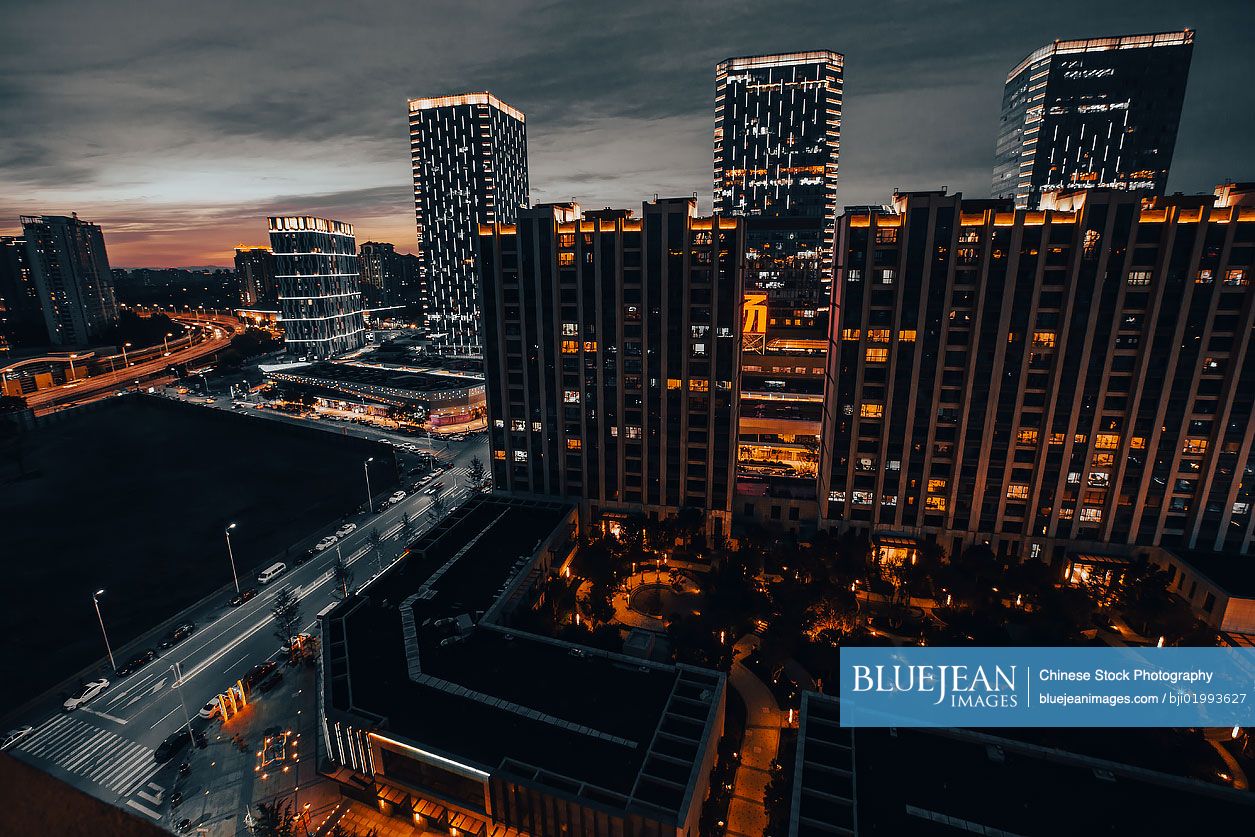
x=180, y=124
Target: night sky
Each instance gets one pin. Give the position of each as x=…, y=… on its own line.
x=179, y=126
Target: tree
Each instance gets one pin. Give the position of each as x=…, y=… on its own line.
x=286, y=610
x=342, y=575
x=373, y=540
x=275, y=819
x=476, y=471
x=439, y=506
x=409, y=528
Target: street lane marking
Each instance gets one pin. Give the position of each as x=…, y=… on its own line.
x=163, y=719
x=150, y=812
x=104, y=715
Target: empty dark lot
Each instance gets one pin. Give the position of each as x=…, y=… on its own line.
x=133, y=496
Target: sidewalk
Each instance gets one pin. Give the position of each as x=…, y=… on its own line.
x=747, y=816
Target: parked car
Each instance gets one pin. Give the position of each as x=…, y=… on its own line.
x=210, y=709
x=85, y=696
x=397, y=496
x=272, y=572
x=260, y=672
x=179, y=634
x=136, y=663
x=13, y=736
x=243, y=596
x=326, y=543
x=346, y=530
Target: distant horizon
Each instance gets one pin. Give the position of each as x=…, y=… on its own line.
x=179, y=136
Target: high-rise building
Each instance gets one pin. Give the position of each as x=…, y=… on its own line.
x=469, y=156
x=611, y=357
x=320, y=301
x=1038, y=379
x=1096, y=112
x=21, y=314
x=255, y=269
x=71, y=273
x=389, y=278
x=776, y=146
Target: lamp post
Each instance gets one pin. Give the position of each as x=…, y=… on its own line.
x=72, y=375
x=96, y=601
x=165, y=341
x=125, y=362
x=231, y=555
x=370, y=501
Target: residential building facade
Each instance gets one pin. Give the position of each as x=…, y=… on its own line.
x=1036, y=379
x=1092, y=113
x=320, y=300
x=611, y=357
x=70, y=270
x=255, y=269
x=469, y=156
x=21, y=313
x=389, y=278
x=776, y=147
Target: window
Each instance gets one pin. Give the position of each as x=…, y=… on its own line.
x=1241, y=508
x=1017, y=491
x=535, y=427
x=849, y=334
x=520, y=456
x=936, y=486
x=878, y=335
x=886, y=275
x=1107, y=441
x=854, y=275
x=1026, y=436
x=570, y=396
x=673, y=383
x=886, y=235
x=1195, y=446
x=1139, y=278
x=574, y=444
x=498, y=423
x=1138, y=443
x=566, y=259
x=566, y=240
x=498, y=454
x=1235, y=278
x=1089, y=514
x=1204, y=277
x=518, y=425
x=699, y=385
x=934, y=503
x=893, y=465
x=1099, y=479
x=1043, y=339
x=877, y=355
x=632, y=431
x=570, y=329
x=907, y=335
x=836, y=496
x=590, y=345
x=863, y=498
x=570, y=347
x=1074, y=478
x=873, y=411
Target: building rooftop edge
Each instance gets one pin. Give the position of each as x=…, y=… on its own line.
x=781, y=59
x=478, y=98
x=1179, y=37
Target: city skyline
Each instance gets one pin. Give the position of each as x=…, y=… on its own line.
x=182, y=144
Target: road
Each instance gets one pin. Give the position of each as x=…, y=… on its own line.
x=106, y=748
x=216, y=332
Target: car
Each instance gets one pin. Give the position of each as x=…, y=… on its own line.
x=270, y=683
x=210, y=709
x=175, y=742
x=433, y=489
x=303, y=557
x=260, y=672
x=179, y=634
x=88, y=692
x=243, y=596
x=346, y=530
x=14, y=735
x=397, y=496
x=137, y=662
x=326, y=543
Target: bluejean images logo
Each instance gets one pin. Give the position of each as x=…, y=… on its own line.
x=960, y=686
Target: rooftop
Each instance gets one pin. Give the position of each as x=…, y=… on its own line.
x=376, y=377
x=611, y=727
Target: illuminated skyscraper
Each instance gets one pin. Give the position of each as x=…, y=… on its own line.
x=320, y=300
x=21, y=315
x=1097, y=112
x=469, y=157
x=776, y=143
x=255, y=268
x=70, y=269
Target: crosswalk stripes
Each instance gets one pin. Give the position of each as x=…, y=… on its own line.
x=97, y=755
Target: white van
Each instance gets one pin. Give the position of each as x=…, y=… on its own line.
x=272, y=572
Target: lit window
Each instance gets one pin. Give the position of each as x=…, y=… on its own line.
x=1065, y=514
x=1026, y=436
x=1056, y=438
x=874, y=411
x=886, y=276
x=566, y=259
x=520, y=456
x=1241, y=508
x=673, y=383
x=907, y=335
x=498, y=454
x=570, y=329
x=498, y=423
x=570, y=347
x=877, y=355
x=574, y=444
x=886, y=235
x=1099, y=479
x=590, y=345
x=1138, y=443
x=1074, y=477
x=893, y=465
x=863, y=498
x=1195, y=446
x=1017, y=491
x=878, y=335
x=1107, y=441
x=854, y=275
x=535, y=427
x=1089, y=514
x=1103, y=460
x=1139, y=278
x=1235, y=277
x=849, y=334
x=518, y=425
x=934, y=503
x=1204, y=277
x=699, y=385
x=1044, y=339
x=889, y=500
x=936, y=486
x=836, y=496
x=570, y=396
x=566, y=240
x=632, y=431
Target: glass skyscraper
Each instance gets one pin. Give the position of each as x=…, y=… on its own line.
x=1098, y=112
x=71, y=273
x=469, y=156
x=320, y=299
x=776, y=143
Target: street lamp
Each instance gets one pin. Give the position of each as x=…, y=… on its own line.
x=96, y=601
x=125, y=346
x=72, y=375
x=370, y=501
x=165, y=341
x=231, y=555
